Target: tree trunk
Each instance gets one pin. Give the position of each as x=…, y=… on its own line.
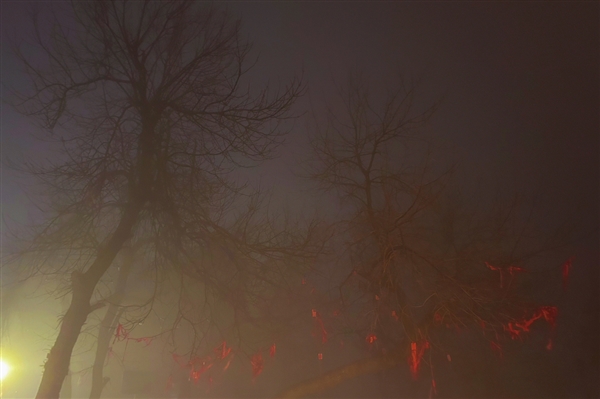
x=83, y=285
x=108, y=325
x=349, y=371
x=66, y=391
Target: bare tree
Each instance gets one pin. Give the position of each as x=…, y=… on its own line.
x=417, y=261
x=150, y=104
x=110, y=321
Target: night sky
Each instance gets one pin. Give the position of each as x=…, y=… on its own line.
x=519, y=89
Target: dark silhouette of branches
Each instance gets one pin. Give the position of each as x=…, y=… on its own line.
x=151, y=107
x=420, y=260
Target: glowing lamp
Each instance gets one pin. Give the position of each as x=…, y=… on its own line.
x=4, y=369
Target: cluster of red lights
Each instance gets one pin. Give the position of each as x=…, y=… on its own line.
x=198, y=366
x=417, y=350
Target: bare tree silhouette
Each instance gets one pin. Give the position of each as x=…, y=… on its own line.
x=419, y=259
x=151, y=106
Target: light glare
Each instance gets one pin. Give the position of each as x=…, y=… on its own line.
x=4, y=369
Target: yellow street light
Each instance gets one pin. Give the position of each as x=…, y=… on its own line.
x=4, y=369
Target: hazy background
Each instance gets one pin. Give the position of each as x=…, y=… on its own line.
x=519, y=85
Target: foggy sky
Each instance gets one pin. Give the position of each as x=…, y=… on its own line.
x=519, y=85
